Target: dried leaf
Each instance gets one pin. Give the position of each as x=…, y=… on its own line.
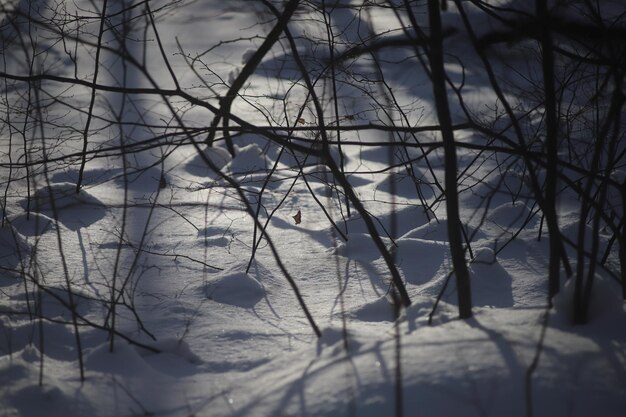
x=301, y=121
x=298, y=217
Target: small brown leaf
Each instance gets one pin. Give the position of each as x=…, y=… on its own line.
x=301, y=121
x=298, y=217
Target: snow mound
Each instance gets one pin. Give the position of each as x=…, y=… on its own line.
x=213, y=237
x=215, y=242
x=64, y=195
x=605, y=305
x=60, y=342
x=249, y=158
x=405, y=186
x=35, y=224
x=21, y=397
x=177, y=347
x=333, y=338
x=378, y=310
x=55, y=301
x=74, y=210
x=197, y=165
x=124, y=360
x=359, y=246
x=499, y=191
x=237, y=289
x=510, y=215
x=483, y=360
x=438, y=230
x=316, y=173
x=491, y=284
x=618, y=175
x=407, y=218
x=420, y=260
x=570, y=232
x=218, y=156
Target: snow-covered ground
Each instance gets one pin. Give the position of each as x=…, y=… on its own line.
x=207, y=323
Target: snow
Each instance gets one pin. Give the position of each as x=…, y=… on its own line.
x=248, y=159
x=202, y=329
x=237, y=288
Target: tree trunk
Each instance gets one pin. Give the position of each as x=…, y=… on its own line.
x=551, y=145
x=452, y=197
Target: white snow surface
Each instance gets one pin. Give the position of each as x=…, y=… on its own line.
x=226, y=336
